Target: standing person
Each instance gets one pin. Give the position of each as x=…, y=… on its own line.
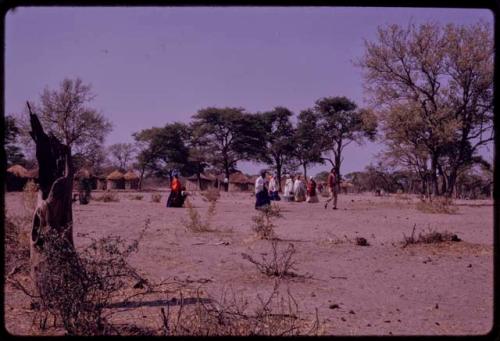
x=288, y=188
x=299, y=189
x=273, y=189
x=261, y=192
x=176, y=197
x=332, y=189
x=312, y=196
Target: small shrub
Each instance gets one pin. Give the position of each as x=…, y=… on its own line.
x=437, y=205
x=279, y=265
x=108, y=197
x=432, y=236
x=194, y=222
x=362, y=241
x=136, y=197
x=211, y=194
x=155, y=197
x=17, y=243
x=264, y=226
x=276, y=315
x=75, y=288
x=30, y=196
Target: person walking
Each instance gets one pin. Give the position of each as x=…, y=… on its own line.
x=261, y=192
x=288, y=194
x=299, y=189
x=273, y=189
x=177, y=195
x=332, y=189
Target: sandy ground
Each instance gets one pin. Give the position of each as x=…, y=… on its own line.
x=381, y=289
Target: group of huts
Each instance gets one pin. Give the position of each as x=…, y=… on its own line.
x=237, y=182
x=17, y=176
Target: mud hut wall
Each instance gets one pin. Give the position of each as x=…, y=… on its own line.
x=115, y=184
x=132, y=184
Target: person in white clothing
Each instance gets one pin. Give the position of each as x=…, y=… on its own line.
x=288, y=194
x=261, y=192
x=299, y=189
x=273, y=189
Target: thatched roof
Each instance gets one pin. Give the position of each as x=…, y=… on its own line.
x=239, y=178
x=116, y=175
x=208, y=177
x=18, y=170
x=130, y=175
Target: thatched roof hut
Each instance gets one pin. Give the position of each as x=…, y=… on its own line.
x=206, y=181
x=115, y=180
x=240, y=182
x=131, y=180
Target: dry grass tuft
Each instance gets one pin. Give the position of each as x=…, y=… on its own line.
x=108, y=197
x=17, y=244
x=136, y=197
x=264, y=226
x=155, y=197
x=280, y=264
x=30, y=196
x=437, y=205
x=211, y=194
x=276, y=315
x=194, y=222
x=430, y=237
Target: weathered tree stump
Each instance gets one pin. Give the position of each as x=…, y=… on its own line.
x=53, y=210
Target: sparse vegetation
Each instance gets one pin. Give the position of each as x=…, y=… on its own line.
x=264, y=226
x=437, y=205
x=75, y=288
x=155, y=197
x=194, y=222
x=276, y=315
x=108, y=197
x=30, y=196
x=136, y=197
x=280, y=264
x=432, y=236
x=17, y=244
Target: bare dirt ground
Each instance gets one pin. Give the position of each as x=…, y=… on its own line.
x=381, y=289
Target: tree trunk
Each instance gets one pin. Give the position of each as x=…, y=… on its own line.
x=141, y=178
x=278, y=174
x=434, y=182
x=53, y=212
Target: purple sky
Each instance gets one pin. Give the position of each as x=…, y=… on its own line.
x=151, y=66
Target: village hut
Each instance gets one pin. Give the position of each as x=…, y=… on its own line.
x=131, y=180
x=101, y=182
x=115, y=180
x=346, y=187
x=16, y=178
x=240, y=182
x=206, y=181
x=85, y=173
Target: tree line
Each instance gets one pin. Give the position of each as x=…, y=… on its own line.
x=430, y=91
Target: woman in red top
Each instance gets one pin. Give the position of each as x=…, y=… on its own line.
x=176, y=198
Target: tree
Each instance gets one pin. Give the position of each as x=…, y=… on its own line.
x=66, y=113
x=277, y=134
x=164, y=149
x=341, y=124
x=121, y=154
x=229, y=134
x=12, y=150
x=308, y=140
x=443, y=75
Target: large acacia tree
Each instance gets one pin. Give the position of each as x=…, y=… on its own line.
x=66, y=112
x=308, y=140
x=278, y=137
x=341, y=124
x=229, y=135
x=444, y=76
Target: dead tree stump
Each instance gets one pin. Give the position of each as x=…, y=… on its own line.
x=53, y=212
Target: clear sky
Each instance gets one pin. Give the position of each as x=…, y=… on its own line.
x=153, y=65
